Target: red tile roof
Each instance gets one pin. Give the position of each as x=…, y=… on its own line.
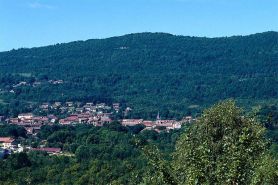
x=164, y=125
x=131, y=122
x=9, y=141
x=106, y=119
x=158, y=131
x=4, y=139
x=148, y=123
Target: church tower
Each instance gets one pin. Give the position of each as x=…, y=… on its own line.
x=158, y=118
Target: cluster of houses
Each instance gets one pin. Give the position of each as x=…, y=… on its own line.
x=154, y=125
x=35, y=84
x=7, y=145
x=8, y=142
x=87, y=113
x=39, y=83
x=86, y=118
x=99, y=120
x=31, y=123
x=77, y=107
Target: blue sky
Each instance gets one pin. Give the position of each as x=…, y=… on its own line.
x=34, y=23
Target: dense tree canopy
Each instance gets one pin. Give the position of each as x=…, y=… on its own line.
x=227, y=147
x=92, y=155
x=12, y=131
x=147, y=71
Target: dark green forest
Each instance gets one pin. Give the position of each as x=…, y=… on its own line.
x=226, y=146
x=146, y=71
x=102, y=155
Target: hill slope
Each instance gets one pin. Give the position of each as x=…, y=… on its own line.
x=149, y=70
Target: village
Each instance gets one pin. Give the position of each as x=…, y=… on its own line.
x=78, y=113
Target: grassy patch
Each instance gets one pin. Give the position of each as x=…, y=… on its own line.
x=193, y=106
x=23, y=74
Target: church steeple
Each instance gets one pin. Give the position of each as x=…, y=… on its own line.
x=158, y=117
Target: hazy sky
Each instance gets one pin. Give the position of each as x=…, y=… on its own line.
x=29, y=23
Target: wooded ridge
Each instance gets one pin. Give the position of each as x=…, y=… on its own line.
x=147, y=71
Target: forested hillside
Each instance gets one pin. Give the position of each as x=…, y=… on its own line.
x=226, y=147
x=147, y=71
x=93, y=155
